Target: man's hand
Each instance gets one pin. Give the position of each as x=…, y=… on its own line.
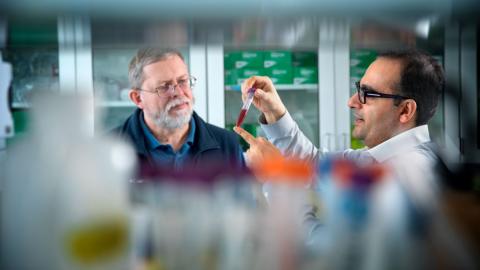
x=268, y=164
x=260, y=148
x=266, y=98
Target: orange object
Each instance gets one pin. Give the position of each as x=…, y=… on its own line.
x=285, y=170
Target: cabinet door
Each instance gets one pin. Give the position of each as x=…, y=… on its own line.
x=291, y=63
x=333, y=52
x=301, y=100
x=32, y=50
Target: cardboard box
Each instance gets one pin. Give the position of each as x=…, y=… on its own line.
x=246, y=73
x=237, y=76
x=305, y=75
x=231, y=76
x=304, y=59
x=280, y=75
x=281, y=59
x=243, y=59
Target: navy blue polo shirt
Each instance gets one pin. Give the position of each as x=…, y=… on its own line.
x=163, y=154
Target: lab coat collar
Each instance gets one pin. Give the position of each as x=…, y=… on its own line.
x=401, y=143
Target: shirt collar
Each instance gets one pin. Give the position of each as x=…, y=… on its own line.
x=191, y=132
x=400, y=143
x=153, y=143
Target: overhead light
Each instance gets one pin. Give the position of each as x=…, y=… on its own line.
x=422, y=28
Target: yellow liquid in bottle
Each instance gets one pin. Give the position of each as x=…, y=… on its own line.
x=98, y=240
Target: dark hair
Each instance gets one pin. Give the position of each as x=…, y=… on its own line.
x=421, y=79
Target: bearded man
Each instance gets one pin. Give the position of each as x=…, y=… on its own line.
x=164, y=129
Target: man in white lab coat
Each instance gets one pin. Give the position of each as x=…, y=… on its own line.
x=394, y=101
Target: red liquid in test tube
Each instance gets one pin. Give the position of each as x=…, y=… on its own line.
x=246, y=106
x=241, y=116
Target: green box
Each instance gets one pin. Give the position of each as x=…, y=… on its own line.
x=243, y=59
x=304, y=59
x=231, y=76
x=280, y=75
x=229, y=60
x=245, y=73
x=237, y=76
x=305, y=75
x=277, y=59
x=362, y=58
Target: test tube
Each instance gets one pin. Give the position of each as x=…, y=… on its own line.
x=246, y=106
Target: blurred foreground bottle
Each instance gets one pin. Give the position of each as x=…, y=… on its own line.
x=65, y=202
x=280, y=233
x=341, y=238
x=373, y=219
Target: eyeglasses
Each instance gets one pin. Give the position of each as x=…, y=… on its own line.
x=364, y=92
x=166, y=89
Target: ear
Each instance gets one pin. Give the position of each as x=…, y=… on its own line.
x=408, y=109
x=134, y=96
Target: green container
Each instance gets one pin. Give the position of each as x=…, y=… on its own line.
x=281, y=59
x=21, y=123
x=305, y=75
x=229, y=60
x=362, y=58
x=304, y=59
x=231, y=76
x=280, y=75
x=245, y=73
x=237, y=76
x=243, y=59
x=24, y=33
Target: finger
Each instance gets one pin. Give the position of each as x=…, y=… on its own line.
x=243, y=91
x=263, y=82
x=249, y=138
x=262, y=139
x=248, y=83
x=263, y=97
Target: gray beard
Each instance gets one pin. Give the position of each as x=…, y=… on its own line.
x=165, y=121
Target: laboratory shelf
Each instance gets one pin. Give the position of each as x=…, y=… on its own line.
x=20, y=105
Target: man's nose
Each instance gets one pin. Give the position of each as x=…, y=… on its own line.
x=175, y=90
x=353, y=101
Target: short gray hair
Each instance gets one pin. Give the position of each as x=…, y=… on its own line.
x=144, y=57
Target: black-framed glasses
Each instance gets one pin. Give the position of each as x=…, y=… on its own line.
x=364, y=92
x=165, y=89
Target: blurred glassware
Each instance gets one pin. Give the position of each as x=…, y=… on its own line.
x=67, y=206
